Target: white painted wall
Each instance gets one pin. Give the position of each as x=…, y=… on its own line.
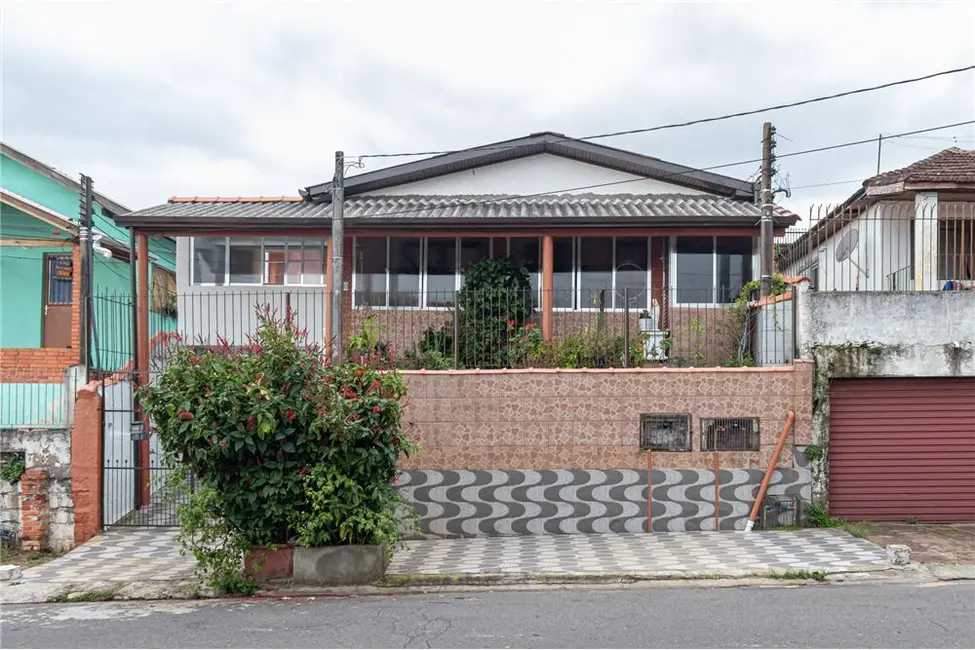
x=539, y=173
x=883, y=251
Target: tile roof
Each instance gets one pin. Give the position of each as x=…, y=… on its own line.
x=954, y=165
x=486, y=208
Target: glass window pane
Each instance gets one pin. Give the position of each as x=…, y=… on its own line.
x=499, y=248
x=274, y=258
x=245, y=262
x=313, y=263
x=370, y=271
x=563, y=287
x=632, y=260
x=209, y=260
x=292, y=271
x=596, y=272
x=404, y=272
x=441, y=271
x=473, y=249
x=734, y=263
x=526, y=251
x=694, y=277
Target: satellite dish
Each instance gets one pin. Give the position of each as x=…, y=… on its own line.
x=634, y=296
x=845, y=247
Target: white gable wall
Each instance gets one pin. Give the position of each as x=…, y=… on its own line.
x=542, y=173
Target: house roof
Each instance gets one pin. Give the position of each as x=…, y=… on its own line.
x=537, y=143
x=195, y=213
x=954, y=165
x=58, y=177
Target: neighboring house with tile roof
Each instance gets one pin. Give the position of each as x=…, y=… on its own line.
x=40, y=284
x=589, y=222
x=904, y=230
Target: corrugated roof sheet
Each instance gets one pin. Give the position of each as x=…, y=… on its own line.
x=472, y=207
x=954, y=165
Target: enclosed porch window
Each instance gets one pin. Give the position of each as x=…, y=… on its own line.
x=237, y=261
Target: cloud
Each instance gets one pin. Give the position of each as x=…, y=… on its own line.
x=155, y=99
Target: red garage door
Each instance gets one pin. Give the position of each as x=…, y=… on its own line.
x=902, y=448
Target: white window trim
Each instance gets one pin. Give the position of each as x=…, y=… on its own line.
x=673, y=271
x=287, y=241
x=577, y=280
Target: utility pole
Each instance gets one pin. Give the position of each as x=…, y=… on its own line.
x=767, y=231
x=134, y=292
x=85, y=250
x=880, y=144
x=335, y=247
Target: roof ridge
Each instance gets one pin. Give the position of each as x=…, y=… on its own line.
x=234, y=199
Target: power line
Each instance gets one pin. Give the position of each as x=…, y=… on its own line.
x=803, y=187
x=872, y=140
x=704, y=120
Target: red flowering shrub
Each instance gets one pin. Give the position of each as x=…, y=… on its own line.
x=255, y=423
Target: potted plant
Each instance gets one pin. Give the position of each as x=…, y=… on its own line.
x=645, y=322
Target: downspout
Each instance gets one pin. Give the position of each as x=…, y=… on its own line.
x=789, y=419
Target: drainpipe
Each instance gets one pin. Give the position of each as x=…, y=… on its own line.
x=789, y=419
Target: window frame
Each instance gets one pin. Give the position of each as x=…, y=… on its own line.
x=322, y=242
x=673, y=270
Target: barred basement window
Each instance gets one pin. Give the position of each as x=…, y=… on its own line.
x=665, y=431
x=729, y=434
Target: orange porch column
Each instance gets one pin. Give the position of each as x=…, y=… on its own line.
x=548, y=284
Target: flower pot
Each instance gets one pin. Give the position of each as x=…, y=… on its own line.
x=339, y=565
x=263, y=563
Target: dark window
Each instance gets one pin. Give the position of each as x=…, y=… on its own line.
x=209, y=260
x=370, y=268
x=734, y=266
x=563, y=266
x=596, y=272
x=61, y=277
x=404, y=272
x=441, y=271
x=245, y=261
x=665, y=431
x=631, y=271
x=474, y=249
x=730, y=434
x=694, y=277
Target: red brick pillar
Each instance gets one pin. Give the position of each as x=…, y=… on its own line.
x=33, y=509
x=86, y=464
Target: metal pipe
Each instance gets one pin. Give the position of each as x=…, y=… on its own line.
x=789, y=420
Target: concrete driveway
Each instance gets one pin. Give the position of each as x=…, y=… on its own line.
x=930, y=543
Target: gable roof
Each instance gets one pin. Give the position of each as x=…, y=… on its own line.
x=58, y=177
x=461, y=211
x=954, y=165
x=548, y=142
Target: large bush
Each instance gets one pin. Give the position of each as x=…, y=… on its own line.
x=253, y=424
x=496, y=296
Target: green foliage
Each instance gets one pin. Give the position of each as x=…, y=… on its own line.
x=818, y=575
x=912, y=520
x=344, y=511
x=250, y=424
x=524, y=344
x=818, y=517
x=814, y=452
x=495, y=293
x=208, y=535
x=739, y=321
x=434, y=350
x=366, y=345
x=12, y=468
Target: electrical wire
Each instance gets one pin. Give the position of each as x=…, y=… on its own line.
x=689, y=170
x=705, y=120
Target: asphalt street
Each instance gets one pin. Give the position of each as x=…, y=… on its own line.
x=940, y=615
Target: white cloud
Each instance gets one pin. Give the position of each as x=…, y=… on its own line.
x=155, y=98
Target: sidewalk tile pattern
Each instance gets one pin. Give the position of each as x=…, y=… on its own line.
x=812, y=549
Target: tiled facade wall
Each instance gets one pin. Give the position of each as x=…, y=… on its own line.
x=516, y=452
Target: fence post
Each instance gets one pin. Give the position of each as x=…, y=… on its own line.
x=626, y=327
x=456, y=336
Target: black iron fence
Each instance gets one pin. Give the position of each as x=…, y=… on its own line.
x=920, y=245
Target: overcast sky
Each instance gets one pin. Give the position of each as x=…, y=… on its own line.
x=155, y=99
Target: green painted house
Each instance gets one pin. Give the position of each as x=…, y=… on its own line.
x=40, y=287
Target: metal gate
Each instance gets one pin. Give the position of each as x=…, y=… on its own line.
x=134, y=471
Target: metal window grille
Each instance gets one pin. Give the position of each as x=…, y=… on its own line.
x=665, y=431
x=729, y=434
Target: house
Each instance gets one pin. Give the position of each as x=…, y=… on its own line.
x=602, y=233
x=889, y=320
x=40, y=281
x=593, y=225
x=903, y=230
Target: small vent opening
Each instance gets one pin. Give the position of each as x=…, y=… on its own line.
x=665, y=431
x=730, y=434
